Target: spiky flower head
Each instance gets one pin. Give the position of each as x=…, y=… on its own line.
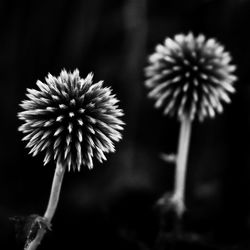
x=190, y=76
x=71, y=119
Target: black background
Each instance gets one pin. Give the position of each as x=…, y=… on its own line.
x=113, y=204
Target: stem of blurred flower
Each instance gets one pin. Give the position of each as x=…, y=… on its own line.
x=177, y=199
x=52, y=205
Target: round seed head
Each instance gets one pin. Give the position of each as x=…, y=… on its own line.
x=190, y=76
x=71, y=119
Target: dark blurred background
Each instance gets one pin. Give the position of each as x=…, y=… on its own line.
x=112, y=205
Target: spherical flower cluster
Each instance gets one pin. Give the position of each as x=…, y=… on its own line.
x=190, y=76
x=71, y=119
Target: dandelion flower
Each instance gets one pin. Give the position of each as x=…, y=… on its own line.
x=71, y=119
x=190, y=76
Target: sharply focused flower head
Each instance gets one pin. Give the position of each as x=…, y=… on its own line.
x=190, y=76
x=71, y=119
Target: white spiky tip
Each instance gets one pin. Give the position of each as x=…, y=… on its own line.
x=71, y=119
x=190, y=76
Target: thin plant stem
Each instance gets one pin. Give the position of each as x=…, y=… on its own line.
x=55, y=192
x=52, y=205
x=178, y=198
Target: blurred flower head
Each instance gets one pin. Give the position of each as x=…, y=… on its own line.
x=71, y=119
x=190, y=76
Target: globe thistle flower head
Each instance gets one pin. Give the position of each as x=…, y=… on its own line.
x=71, y=119
x=190, y=76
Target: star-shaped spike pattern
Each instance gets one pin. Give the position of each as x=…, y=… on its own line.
x=71, y=119
x=190, y=76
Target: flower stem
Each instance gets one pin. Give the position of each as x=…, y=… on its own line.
x=181, y=167
x=52, y=205
x=55, y=192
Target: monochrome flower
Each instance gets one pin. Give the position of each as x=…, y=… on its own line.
x=190, y=76
x=71, y=119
